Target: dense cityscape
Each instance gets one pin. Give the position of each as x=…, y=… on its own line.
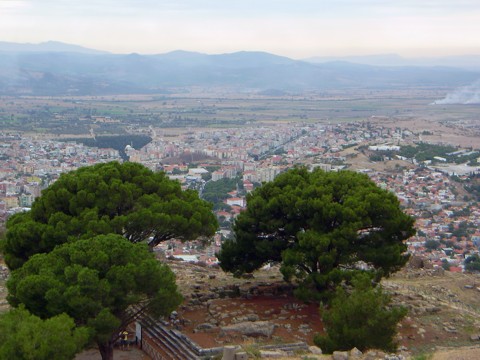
x=432, y=191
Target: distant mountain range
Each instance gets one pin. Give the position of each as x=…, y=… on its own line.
x=467, y=62
x=49, y=46
x=54, y=68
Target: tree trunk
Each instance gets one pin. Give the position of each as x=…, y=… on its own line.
x=106, y=350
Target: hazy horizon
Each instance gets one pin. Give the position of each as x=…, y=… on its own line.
x=301, y=29
x=56, y=42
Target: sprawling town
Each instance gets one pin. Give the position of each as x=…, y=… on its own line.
x=432, y=191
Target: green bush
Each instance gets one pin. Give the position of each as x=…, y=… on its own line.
x=363, y=318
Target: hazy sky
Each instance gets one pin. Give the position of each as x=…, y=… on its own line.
x=295, y=28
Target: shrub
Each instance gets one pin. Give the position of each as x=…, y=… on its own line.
x=363, y=319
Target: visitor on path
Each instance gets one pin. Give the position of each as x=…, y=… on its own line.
x=124, y=339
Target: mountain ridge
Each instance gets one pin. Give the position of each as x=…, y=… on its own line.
x=468, y=62
x=83, y=72
x=47, y=46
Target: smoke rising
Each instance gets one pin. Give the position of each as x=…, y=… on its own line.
x=462, y=96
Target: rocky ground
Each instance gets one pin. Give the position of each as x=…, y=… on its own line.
x=221, y=310
x=444, y=310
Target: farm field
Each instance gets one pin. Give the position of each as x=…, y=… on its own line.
x=79, y=116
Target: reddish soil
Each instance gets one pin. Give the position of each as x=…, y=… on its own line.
x=294, y=320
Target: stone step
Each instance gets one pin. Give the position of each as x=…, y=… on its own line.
x=165, y=345
x=197, y=349
x=176, y=345
x=161, y=347
x=163, y=338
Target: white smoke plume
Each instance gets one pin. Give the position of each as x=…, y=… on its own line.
x=462, y=96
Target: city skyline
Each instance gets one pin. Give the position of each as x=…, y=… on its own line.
x=300, y=29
